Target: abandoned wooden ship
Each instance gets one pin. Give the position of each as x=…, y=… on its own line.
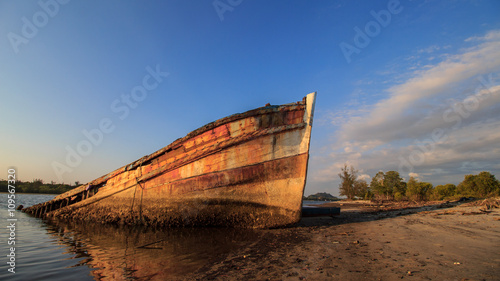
x=244, y=170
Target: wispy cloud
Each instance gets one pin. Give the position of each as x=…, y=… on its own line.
x=373, y=137
x=429, y=50
x=397, y=114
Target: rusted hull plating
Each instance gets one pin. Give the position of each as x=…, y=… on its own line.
x=246, y=170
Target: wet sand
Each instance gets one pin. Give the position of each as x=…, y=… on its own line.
x=440, y=241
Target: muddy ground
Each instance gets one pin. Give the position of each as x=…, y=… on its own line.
x=374, y=241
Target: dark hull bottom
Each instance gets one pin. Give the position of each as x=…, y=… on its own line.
x=192, y=213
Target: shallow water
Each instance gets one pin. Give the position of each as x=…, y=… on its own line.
x=314, y=203
x=53, y=250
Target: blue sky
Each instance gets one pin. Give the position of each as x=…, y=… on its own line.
x=416, y=90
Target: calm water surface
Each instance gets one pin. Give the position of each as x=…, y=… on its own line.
x=314, y=203
x=69, y=251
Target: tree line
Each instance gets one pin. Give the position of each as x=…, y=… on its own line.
x=391, y=186
x=37, y=186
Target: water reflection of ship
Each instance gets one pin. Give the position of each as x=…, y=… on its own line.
x=138, y=253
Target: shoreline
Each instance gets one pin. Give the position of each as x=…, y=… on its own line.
x=437, y=241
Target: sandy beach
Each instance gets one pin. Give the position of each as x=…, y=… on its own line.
x=435, y=241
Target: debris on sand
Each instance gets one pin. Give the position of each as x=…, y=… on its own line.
x=488, y=203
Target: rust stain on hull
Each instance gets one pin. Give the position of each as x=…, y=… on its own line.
x=247, y=170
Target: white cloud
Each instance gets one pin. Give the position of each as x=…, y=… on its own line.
x=490, y=36
x=429, y=50
x=365, y=177
x=414, y=175
x=388, y=117
x=446, y=96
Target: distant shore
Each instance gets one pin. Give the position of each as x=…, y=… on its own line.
x=437, y=240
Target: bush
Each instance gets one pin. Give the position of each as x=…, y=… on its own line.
x=399, y=197
x=446, y=191
x=482, y=185
x=418, y=190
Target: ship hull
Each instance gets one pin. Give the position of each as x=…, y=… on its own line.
x=245, y=170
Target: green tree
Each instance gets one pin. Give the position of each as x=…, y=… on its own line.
x=412, y=188
x=362, y=189
x=394, y=183
x=390, y=185
x=482, y=185
x=445, y=191
x=347, y=179
x=399, y=191
x=62, y=188
x=26, y=187
x=426, y=190
x=46, y=189
x=4, y=186
x=36, y=186
x=377, y=184
x=418, y=190
x=468, y=186
x=487, y=184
